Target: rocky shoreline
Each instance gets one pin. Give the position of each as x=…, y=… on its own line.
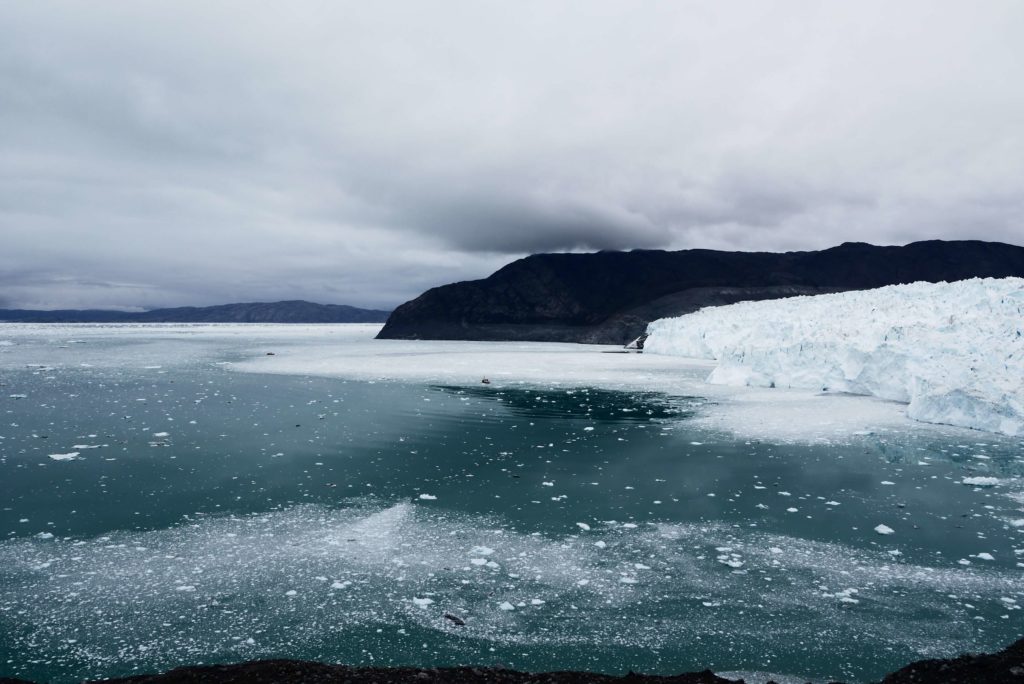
x=1004, y=667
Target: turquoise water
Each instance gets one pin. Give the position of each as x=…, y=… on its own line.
x=215, y=516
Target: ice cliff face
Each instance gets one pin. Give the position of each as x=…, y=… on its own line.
x=953, y=351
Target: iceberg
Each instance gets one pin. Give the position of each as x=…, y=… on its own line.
x=953, y=352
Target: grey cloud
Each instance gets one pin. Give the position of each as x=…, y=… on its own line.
x=192, y=153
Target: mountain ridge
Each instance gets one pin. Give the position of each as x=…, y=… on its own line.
x=289, y=311
x=610, y=297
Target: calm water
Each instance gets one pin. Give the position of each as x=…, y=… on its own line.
x=215, y=516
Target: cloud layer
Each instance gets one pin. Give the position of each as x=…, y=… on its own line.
x=189, y=153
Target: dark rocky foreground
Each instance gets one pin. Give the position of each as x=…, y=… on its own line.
x=253, y=312
x=610, y=297
x=1005, y=667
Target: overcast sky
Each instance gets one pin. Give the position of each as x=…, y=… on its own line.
x=172, y=153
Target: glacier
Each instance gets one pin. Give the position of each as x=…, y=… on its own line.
x=953, y=352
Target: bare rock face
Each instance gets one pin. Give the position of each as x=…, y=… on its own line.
x=1005, y=667
x=610, y=297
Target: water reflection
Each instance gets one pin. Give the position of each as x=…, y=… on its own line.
x=604, y=406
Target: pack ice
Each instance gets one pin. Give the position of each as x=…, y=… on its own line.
x=954, y=352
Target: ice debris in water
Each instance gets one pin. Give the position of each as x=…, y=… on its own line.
x=71, y=456
x=884, y=529
x=953, y=351
x=981, y=481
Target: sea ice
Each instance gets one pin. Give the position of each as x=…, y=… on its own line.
x=65, y=457
x=981, y=481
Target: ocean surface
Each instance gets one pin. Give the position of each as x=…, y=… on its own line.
x=158, y=508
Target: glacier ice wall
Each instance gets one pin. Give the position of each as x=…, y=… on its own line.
x=954, y=352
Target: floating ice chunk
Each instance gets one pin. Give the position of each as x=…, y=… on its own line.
x=505, y=605
x=831, y=503
x=537, y=602
x=984, y=555
x=887, y=482
x=481, y=551
x=422, y=602
x=884, y=529
x=65, y=457
x=184, y=587
x=340, y=585
x=601, y=544
x=44, y=535
x=161, y=434
x=981, y=481
x=291, y=592
x=428, y=497
x=792, y=510
x=478, y=561
x=583, y=526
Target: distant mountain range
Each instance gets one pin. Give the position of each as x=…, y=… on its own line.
x=296, y=311
x=610, y=297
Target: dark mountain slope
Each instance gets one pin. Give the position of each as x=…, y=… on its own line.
x=609, y=297
x=256, y=312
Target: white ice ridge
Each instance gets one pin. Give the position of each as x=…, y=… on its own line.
x=954, y=352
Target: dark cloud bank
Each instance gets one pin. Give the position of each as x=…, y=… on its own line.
x=160, y=154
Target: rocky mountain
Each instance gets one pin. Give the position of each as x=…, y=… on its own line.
x=610, y=297
x=296, y=311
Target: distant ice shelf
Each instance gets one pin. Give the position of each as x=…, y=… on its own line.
x=954, y=352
